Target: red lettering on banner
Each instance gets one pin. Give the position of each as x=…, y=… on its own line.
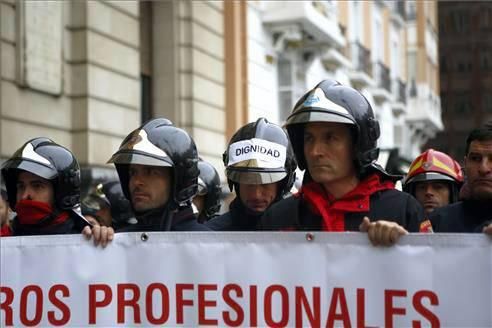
x=65, y=310
x=38, y=310
x=389, y=309
x=313, y=313
x=425, y=312
x=233, y=304
x=6, y=305
x=149, y=304
x=361, y=307
x=253, y=306
x=180, y=302
x=337, y=298
x=204, y=303
x=122, y=302
x=93, y=303
x=267, y=306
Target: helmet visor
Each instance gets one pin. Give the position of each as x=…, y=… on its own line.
x=430, y=176
x=138, y=149
x=255, y=176
x=39, y=169
x=318, y=115
x=134, y=157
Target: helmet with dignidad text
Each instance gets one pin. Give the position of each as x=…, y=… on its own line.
x=46, y=159
x=330, y=101
x=260, y=153
x=159, y=143
x=433, y=165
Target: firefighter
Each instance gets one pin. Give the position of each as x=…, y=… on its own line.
x=435, y=179
x=334, y=134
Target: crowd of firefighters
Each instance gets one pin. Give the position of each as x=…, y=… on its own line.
x=331, y=135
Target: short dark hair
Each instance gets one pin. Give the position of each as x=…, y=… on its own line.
x=483, y=133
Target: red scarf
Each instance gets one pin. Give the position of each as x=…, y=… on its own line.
x=333, y=210
x=31, y=212
x=5, y=231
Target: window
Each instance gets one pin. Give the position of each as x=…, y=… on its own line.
x=463, y=63
x=460, y=21
x=486, y=60
x=444, y=102
x=486, y=18
x=412, y=66
x=487, y=103
x=285, y=86
x=411, y=10
x=462, y=104
x=146, y=60
x=291, y=83
x=443, y=64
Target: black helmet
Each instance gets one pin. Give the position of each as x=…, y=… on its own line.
x=121, y=209
x=159, y=143
x=330, y=101
x=110, y=194
x=209, y=185
x=45, y=158
x=260, y=153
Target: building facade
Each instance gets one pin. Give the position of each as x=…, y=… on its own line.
x=86, y=73
x=465, y=49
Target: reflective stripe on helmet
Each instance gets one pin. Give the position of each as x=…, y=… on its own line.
x=141, y=142
x=443, y=166
x=29, y=153
x=319, y=100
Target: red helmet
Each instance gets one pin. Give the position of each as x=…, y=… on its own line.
x=434, y=165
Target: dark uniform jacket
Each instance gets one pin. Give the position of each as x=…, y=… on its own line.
x=239, y=218
x=465, y=216
x=73, y=225
x=184, y=220
x=294, y=213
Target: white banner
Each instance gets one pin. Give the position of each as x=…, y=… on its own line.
x=247, y=279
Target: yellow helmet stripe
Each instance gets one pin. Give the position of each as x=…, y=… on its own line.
x=415, y=167
x=443, y=166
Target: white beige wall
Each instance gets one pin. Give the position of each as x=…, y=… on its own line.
x=25, y=113
x=188, y=71
x=262, y=74
x=105, y=56
x=100, y=96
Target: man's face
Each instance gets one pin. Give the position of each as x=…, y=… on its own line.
x=33, y=187
x=328, y=152
x=4, y=211
x=257, y=197
x=150, y=186
x=432, y=194
x=478, y=169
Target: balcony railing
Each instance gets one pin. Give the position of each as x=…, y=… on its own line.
x=382, y=76
x=399, y=90
x=361, y=57
x=400, y=9
x=402, y=92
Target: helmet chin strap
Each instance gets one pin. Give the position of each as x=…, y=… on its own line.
x=168, y=215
